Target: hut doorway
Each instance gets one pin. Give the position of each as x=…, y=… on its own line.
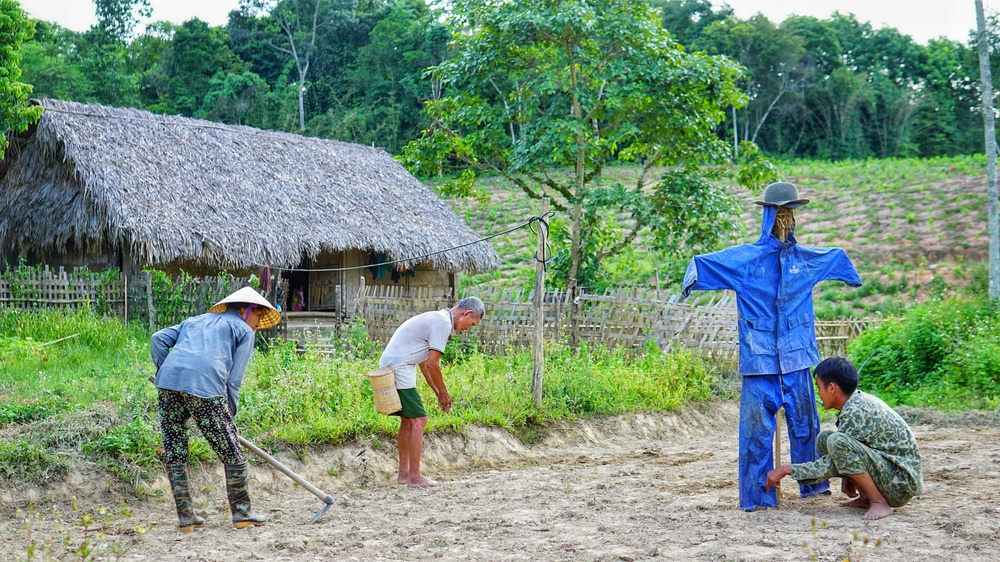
x=297, y=298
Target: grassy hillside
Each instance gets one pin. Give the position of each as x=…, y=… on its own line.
x=914, y=228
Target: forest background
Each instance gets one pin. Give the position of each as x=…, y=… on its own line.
x=379, y=72
x=830, y=88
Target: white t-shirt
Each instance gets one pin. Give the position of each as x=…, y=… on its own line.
x=411, y=344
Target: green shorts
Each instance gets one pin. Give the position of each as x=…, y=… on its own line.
x=413, y=407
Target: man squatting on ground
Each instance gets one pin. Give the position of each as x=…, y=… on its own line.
x=873, y=450
x=200, y=364
x=421, y=341
x=773, y=279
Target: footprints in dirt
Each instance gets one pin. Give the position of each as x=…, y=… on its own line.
x=676, y=459
x=654, y=453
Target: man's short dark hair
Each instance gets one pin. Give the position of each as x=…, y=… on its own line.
x=840, y=371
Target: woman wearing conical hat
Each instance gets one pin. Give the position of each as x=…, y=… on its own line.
x=200, y=364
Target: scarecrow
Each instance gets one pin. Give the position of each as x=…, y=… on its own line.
x=773, y=279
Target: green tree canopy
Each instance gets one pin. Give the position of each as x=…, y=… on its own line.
x=15, y=113
x=51, y=64
x=546, y=94
x=195, y=55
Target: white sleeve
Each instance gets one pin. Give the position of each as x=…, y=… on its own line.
x=437, y=336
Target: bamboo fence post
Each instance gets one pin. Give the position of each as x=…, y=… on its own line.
x=537, y=348
x=574, y=307
x=149, y=302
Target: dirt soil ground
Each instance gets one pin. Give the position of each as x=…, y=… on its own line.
x=640, y=487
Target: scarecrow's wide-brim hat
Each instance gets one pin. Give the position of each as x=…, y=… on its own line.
x=247, y=295
x=782, y=194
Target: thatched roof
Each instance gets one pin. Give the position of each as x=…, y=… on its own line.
x=166, y=188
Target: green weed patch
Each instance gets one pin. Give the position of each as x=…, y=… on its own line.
x=24, y=461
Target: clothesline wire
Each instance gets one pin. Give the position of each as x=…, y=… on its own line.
x=529, y=223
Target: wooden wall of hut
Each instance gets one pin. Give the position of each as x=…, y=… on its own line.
x=424, y=277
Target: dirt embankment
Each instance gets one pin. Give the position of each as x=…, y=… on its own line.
x=642, y=487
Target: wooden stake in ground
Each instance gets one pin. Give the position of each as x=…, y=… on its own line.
x=777, y=449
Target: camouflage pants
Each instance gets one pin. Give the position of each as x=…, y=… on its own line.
x=212, y=417
x=850, y=456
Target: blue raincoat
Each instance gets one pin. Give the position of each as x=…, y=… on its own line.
x=773, y=281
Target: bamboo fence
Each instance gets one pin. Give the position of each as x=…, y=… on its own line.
x=631, y=318
x=113, y=295
x=42, y=287
x=624, y=317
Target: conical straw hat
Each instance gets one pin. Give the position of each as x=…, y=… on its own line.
x=247, y=295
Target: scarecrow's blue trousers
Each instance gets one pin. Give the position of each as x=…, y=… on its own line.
x=760, y=400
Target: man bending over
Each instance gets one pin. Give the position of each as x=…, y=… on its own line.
x=420, y=341
x=873, y=450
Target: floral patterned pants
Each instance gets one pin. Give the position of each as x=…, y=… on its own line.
x=212, y=417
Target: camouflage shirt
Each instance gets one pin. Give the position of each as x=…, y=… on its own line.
x=874, y=424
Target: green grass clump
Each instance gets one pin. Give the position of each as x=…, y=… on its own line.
x=594, y=381
x=25, y=461
x=21, y=413
x=304, y=399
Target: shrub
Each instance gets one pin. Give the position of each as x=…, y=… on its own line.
x=136, y=442
x=22, y=413
x=935, y=350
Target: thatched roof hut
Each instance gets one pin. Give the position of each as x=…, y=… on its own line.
x=89, y=180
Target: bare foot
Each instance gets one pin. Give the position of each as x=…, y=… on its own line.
x=423, y=482
x=403, y=476
x=856, y=502
x=877, y=511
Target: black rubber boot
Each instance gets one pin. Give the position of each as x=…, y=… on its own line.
x=239, y=498
x=187, y=520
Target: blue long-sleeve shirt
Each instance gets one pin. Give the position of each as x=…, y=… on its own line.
x=773, y=281
x=205, y=356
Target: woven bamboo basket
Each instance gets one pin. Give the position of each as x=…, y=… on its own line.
x=384, y=390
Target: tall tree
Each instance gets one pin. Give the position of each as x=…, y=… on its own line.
x=536, y=88
x=686, y=19
x=773, y=61
x=51, y=64
x=241, y=99
x=15, y=112
x=338, y=105
x=197, y=53
x=803, y=125
x=388, y=89
x=104, y=51
x=939, y=124
x=297, y=27
x=986, y=82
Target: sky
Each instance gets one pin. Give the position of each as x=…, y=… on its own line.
x=78, y=15
x=920, y=19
